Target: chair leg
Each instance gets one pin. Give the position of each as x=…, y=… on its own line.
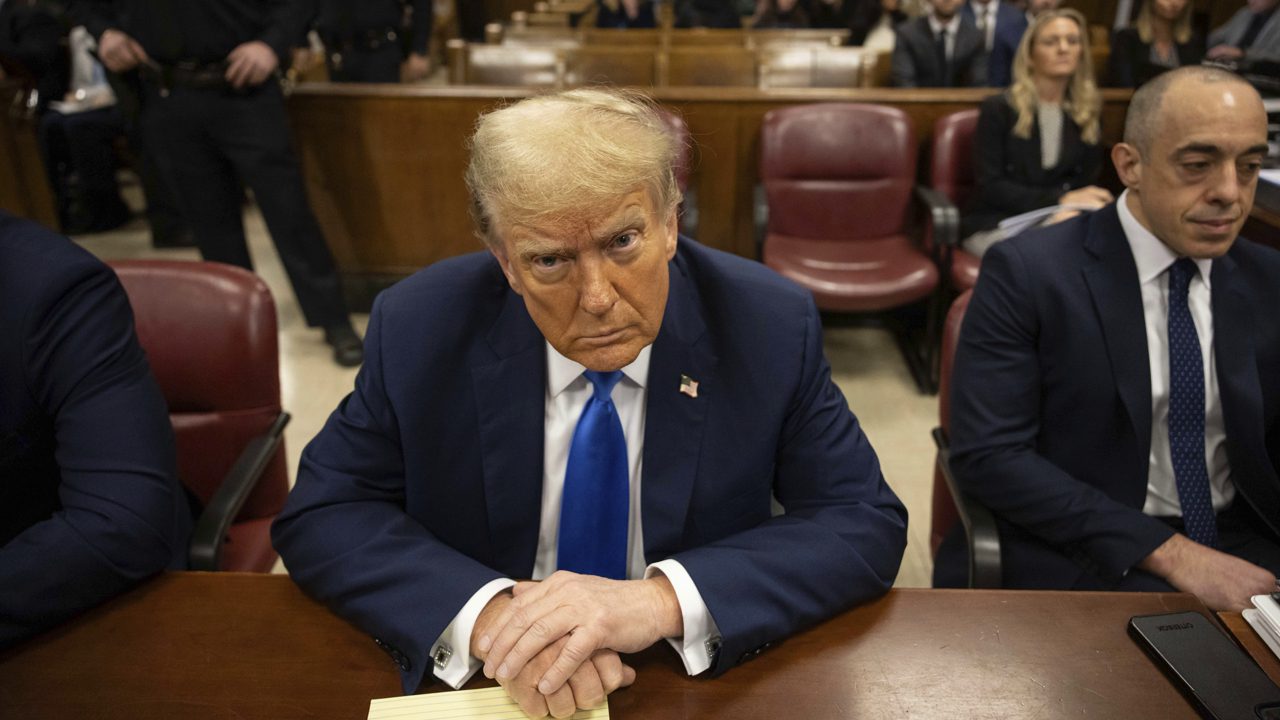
x=918, y=353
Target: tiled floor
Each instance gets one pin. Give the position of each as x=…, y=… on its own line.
x=865, y=364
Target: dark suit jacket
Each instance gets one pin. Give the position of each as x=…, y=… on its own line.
x=1131, y=66
x=707, y=13
x=1007, y=168
x=915, y=59
x=89, y=503
x=1051, y=398
x=1010, y=24
x=426, y=483
x=1004, y=48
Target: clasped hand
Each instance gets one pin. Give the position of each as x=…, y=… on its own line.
x=554, y=644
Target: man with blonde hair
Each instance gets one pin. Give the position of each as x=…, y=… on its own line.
x=599, y=406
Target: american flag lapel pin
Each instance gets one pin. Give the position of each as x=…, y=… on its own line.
x=688, y=386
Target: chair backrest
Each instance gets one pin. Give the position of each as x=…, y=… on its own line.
x=677, y=126
x=944, y=508
x=838, y=171
x=476, y=64
x=702, y=66
x=951, y=169
x=635, y=66
x=810, y=66
x=209, y=331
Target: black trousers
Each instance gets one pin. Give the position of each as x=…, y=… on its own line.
x=80, y=155
x=210, y=143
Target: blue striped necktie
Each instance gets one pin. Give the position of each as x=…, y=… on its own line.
x=1186, y=411
x=594, y=508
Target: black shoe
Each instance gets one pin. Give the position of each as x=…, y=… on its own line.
x=348, y=350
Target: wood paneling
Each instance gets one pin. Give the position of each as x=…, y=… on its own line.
x=384, y=164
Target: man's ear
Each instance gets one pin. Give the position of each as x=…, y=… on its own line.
x=1128, y=162
x=500, y=254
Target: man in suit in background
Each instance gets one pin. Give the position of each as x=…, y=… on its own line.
x=597, y=406
x=1250, y=38
x=89, y=500
x=1116, y=400
x=941, y=49
x=998, y=22
x=1004, y=44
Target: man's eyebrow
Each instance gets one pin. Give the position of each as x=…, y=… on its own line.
x=632, y=217
x=1211, y=149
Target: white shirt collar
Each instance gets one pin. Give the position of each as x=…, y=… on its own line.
x=561, y=371
x=1151, y=255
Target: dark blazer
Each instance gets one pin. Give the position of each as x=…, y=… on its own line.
x=89, y=503
x=1004, y=48
x=426, y=482
x=707, y=13
x=1051, y=399
x=1130, y=64
x=1010, y=24
x=915, y=59
x=1007, y=168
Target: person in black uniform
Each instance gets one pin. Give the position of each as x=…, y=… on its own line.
x=215, y=117
x=363, y=39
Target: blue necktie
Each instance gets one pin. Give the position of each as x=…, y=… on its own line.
x=1186, y=411
x=593, y=512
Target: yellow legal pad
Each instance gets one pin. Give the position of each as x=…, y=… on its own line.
x=487, y=704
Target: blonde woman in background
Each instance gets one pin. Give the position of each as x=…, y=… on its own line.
x=1161, y=39
x=1037, y=143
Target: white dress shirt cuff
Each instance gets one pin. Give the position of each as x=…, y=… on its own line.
x=701, y=640
x=451, y=653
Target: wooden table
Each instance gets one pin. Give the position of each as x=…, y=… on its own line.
x=194, y=645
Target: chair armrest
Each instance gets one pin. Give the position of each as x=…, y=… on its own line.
x=944, y=217
x=979, y=524
x=206, y=539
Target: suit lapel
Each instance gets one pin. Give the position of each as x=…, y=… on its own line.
x=675, y=422
x=510, y=393
x=1112, y=279
x=1241, y=392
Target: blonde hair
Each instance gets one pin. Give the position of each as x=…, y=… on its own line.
x=562, y=155
x=1181, y=26
x=1083, y=103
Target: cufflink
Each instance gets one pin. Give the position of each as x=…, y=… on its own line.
x=712, y=646
x=440, y=655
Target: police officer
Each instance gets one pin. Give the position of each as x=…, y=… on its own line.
x=365, y=39
x=214, y=115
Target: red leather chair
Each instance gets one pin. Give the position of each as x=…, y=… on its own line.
x=209, y=331
x=842, y=201
x=949, y=502
x=951, y=173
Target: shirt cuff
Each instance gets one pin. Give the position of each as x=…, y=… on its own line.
x=451, y=653
x=701, y=640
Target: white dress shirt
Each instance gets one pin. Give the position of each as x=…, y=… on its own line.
x=1153, y=259
x=984, y=16
x=952, y=27
x=567, y=394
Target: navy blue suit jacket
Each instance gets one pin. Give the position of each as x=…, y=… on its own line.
x=89, y=503
x=1051, y=398
x=1004, y=47
x=426, y=482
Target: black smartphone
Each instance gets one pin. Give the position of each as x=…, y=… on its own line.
x=1218, y=677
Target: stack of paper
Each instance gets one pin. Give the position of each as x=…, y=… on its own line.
x=1265, y=620
x=486, y=704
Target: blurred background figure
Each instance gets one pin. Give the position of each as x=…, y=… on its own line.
x=625, y=14
x=1162, y=38
x=941, y=49
x=1250, y=39
x=1007, y=38
x=1037, y=143
x=782, y=14
x=995, y=18
x=707, y=13
x=377, y=41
